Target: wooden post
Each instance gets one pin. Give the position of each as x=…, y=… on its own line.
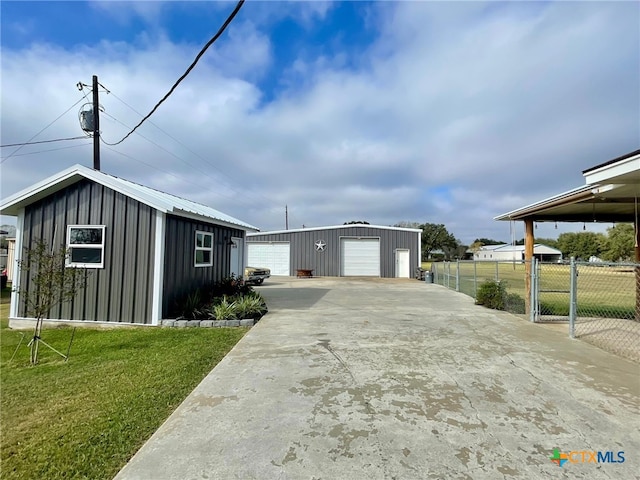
x=528, y=256
x=637, y=269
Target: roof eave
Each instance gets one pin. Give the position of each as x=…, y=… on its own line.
x=608, y=163
x=194, y=216
x=529, y=211
x=332, y=227
x=16, y=202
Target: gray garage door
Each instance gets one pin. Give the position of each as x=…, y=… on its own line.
x=360, y=257
x=274, y=256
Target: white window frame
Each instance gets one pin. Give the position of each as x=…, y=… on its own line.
x=202, y=249
x=71, y=246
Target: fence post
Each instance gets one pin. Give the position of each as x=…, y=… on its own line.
x=475, y=279
x=457, y=275
x=573, y=298
x=533, y=304
x=497, y=274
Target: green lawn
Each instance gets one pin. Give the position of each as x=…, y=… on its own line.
x=86, y=417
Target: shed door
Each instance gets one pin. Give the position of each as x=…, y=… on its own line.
x=402, y=263
x=237, y=257
x=360, y=257
x=274, y=256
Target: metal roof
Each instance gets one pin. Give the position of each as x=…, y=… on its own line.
x=614, y=198
x=334, y=227
x=161, y=201
x=613, y=161
x=538, y=248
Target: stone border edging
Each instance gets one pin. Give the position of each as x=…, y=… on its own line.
x=248, y=322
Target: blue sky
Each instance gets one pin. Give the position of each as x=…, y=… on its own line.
x=441, y=112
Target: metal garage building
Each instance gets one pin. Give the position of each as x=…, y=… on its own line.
x=343, y=250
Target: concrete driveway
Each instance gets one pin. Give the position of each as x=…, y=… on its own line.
x=373, y=379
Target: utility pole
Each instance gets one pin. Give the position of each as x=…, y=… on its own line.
x=96, y=125
x=286, y=217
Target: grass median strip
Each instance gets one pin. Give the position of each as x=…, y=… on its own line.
x=86, y=417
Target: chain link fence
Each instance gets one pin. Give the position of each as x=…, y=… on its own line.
x=468, y=277
x=599, y=302
x=606, y=312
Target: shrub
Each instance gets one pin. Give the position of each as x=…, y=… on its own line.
x=191, y=306
x=208, y=303
x=225, y=310
x=199, y=302
x=230, y=286
x=492, y=295
x=250, y=306
x=514, y=303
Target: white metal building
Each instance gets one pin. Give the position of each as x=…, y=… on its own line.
x=516, y=252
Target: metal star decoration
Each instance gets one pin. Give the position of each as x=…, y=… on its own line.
x=320, y=244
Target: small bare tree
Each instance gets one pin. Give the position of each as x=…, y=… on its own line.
x=49, y=284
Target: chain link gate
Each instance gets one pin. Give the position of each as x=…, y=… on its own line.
x=551, y=291
x=598, y=300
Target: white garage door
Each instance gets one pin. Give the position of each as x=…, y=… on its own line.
x=360, y=257
x=274, y=256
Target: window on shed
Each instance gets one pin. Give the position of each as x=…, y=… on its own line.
x=204, y=249
x=86, y=246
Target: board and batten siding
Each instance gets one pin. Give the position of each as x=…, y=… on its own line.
x=181, y=276
x=121, y=292
x=303, y=254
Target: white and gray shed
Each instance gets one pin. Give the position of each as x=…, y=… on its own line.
x=145, y=248
x=338, y=251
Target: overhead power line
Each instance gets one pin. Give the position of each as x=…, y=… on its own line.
x=43, y=141
x=184, y=75
x=54, y=121
x=231, y=183
x=46, y=151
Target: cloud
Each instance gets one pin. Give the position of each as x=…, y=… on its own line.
x=124, y=13
x=452, y=114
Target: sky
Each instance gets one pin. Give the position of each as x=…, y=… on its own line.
x=429, y=112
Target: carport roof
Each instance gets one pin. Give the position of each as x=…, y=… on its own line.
x=610, y=195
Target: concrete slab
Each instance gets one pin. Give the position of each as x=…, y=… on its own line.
x=361, y=378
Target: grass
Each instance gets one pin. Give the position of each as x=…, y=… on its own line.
x=602, y=291
x=85, y=418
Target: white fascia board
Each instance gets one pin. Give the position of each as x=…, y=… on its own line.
x=335, y=227
x=158, y=269
x=17, y=257
x=606, y=173
x=161, y=201
x=215, y=221
x=41, y=189
x=548, y=202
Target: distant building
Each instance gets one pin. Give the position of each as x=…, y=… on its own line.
x=338, y=251
x=505, y=252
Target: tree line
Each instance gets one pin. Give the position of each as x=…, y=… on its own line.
x=617, y=245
